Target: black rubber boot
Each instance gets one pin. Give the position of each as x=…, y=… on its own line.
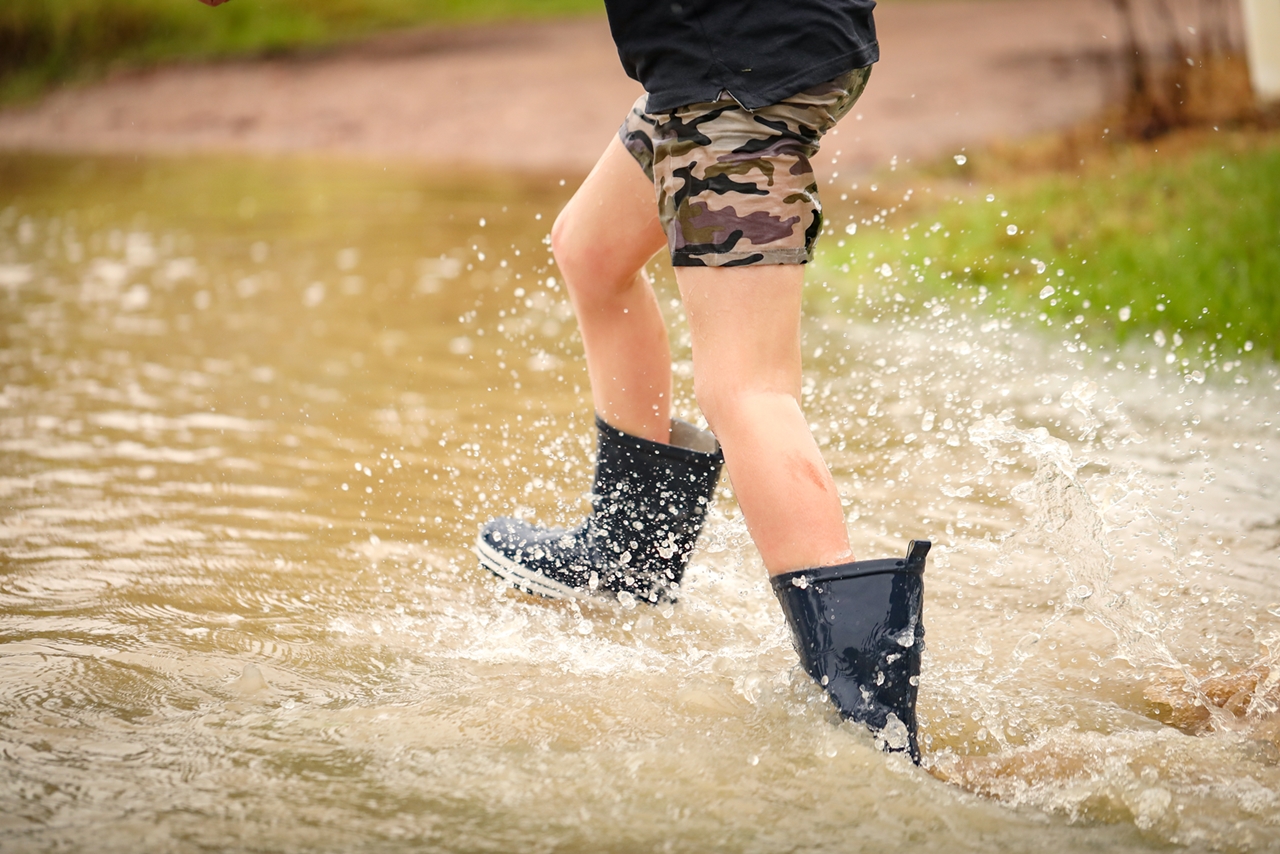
x=648, y=504
x=858, y=630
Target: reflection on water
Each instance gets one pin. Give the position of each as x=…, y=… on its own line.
x=253, y=412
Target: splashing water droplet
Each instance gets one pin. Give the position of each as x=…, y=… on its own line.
x=894, y=735
x=251, y=680
x=1046, y=292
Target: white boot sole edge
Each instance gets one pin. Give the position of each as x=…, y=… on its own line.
x=521, y=576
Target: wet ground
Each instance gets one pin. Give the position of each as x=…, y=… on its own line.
x=254, y=411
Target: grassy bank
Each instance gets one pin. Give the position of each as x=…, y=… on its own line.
x=46, y=41
x=1181, y=235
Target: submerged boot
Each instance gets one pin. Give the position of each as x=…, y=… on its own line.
x=648, y=504
x=857, y=627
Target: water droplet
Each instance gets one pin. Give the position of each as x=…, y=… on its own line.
x=1011, y=230
x=1125, y=313
x=895, y=735
x=961, y=160
x=251, y=680
x=313, y=295
x=136, y=298
x=1046, y=292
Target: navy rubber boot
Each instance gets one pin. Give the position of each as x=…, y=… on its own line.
x=858, y=630
x=648, y=502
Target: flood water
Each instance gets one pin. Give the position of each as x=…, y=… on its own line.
x=254, y=411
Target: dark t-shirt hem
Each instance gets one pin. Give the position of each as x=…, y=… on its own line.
x=754, y=99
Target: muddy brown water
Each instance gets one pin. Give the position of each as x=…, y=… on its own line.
x=253, y=412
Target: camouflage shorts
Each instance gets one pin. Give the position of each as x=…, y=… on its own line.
x=735, y=186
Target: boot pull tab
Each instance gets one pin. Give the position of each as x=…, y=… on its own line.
x=916, y=553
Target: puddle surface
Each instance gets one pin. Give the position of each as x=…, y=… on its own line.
x=254, y=411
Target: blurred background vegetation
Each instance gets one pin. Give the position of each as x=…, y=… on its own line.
x=1188, y=240
x=49, y=41
x=1180, y=234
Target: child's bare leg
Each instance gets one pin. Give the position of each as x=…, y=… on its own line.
x=745, y=323
x=602, y=240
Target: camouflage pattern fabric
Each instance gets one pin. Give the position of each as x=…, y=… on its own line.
x=735, y=186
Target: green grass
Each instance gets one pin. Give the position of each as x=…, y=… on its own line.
x=1182, y=235
x=43, y=42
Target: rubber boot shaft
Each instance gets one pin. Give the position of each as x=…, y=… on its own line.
x=859, y=632
x=649, y=501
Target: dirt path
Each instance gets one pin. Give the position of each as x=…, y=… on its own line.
x=548, y=96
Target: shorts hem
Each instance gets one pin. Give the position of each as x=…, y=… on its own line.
x=763, y=257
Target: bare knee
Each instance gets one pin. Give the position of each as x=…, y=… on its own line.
x=562, y=240
x=590, y=270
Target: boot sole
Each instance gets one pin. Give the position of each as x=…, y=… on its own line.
x=521, y=576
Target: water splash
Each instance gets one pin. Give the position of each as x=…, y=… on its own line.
x=194, y=606
x=1065, y=518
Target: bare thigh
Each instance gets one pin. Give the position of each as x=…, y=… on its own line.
x=745, y=323
x=609, y=229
